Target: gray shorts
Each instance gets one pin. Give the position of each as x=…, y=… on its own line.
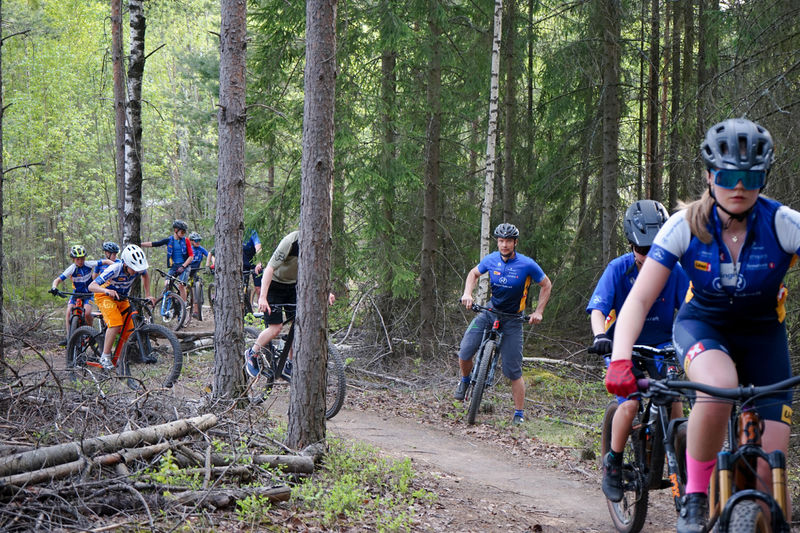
x=510, y=346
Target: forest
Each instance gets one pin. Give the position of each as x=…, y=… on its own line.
x=578, y=109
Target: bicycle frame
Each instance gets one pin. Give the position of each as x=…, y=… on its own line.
x=493, y=334
x=131, y=316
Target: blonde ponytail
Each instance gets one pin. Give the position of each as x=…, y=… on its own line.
x=697, y=214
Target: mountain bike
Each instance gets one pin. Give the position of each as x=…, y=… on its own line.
x=486, y=360
x=150, y=358
x=736, y=505
x=194, y=294
x=244, y=287
x=170, y=309
x=272, y=362
x=77, y=316
x=653, y=437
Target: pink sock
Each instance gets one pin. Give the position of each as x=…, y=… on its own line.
x=698, y=474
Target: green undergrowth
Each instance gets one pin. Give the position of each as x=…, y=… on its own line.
x=355, y=485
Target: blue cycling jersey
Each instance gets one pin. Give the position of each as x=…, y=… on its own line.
x=116, y=278
x=81, y=276
x=178, y=249
x=614, y=286
x=748, y=289
x=100, y=266
x=199, y=254
x=510, y=280
x=249, y=249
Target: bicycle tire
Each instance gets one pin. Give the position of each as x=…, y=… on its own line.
x=212, y=293
x=747, y=516
x=630, y=512
x=656, y=454
x=261, y=387
x=336, y=384
x=187, y=318
x=84, y=345
x=172, y=314
x=151, y=340
x=198, y=297
x=480, y=382
x=74, y=323
x=247, y=304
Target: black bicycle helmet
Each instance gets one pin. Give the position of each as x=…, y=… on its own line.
x=506, y=231
x=737, y=144
x=111, y=247
x=180, y=224
x=642, y=221
x=194, y=236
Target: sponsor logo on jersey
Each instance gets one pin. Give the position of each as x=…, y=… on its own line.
x=786, y=414
x=702, y=265
x=693, y=352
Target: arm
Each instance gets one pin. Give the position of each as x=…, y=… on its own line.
x=546, y=286
x=258, y=267
x=598, y=320
x=95, y=287
x=263, y=305
x=469, y=287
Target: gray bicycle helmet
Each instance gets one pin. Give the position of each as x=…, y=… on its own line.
x=111, y=247
x=180, y=224
x=194, y=236
x=506, y=231
x=642, y=221
x=737, y=144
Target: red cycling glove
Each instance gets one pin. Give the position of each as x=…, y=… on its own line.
x=619, y=378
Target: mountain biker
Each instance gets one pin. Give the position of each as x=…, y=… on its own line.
x=736, y=246
x=642, y=221
x=278, y=287
x=80, y=272
x=194, y=267
x=113, y=282
x=110, y=250
x=179, y=254
x=510, y=275
x=250, y=247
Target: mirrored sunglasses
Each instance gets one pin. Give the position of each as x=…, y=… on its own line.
x=751, y=179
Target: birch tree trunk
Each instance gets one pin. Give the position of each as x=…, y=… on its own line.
x=307, y=400
x=133, y=132
x=610, y=104
x=427, y=276
x=491, y=142
x=2, y=185
x=119, y=111
x=229, y=222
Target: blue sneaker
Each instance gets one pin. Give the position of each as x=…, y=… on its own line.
x=251, y=365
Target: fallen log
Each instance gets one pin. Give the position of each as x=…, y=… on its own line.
x=560, y=362
x=296, y=464
x=225, y=498
x=72, y=451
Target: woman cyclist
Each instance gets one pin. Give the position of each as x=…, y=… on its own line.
x=736, y=246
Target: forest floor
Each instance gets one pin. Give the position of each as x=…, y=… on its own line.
x=541, y=476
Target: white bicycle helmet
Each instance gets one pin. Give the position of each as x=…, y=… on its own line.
x=134, y=257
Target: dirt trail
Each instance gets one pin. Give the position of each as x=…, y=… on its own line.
x=512, y=493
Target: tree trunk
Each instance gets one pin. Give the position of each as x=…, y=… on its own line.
x=687, y=136
x=2, y=206
x=119, y=110
x=610, y=104
x=132, y=226
x=491, y=141
x=427, y=276
x=653, y=174
x=307, y=401
x=676, y=168
x=509, y=134
x=229, y=221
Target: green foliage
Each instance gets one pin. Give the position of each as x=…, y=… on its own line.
x=357, y=484
x=253, y=509
x=170, y=473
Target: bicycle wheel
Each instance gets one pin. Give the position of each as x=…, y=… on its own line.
x=655, y=452
x=198, y=297
x=74, y=323
x=189, y=305
x=85, y=345
x=170, y=311
x=247, y=305
x=261, y=387
x=336, y=386
x=480, y=382
x=629, y=513
x=151, y=359
x=212, y=293
x=747, y=516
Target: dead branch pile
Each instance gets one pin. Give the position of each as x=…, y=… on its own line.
x=71, y=459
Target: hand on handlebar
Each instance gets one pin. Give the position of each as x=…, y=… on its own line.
x=535, y=318
x=54, y=291
x=467, y=301
x=180, y=270
x=602, y=344
x=112, y=293
x=620, y=379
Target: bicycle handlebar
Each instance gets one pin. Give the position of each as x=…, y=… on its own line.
x=742, y=393
x=64, y=294
x=169, y=276
x=478, y=308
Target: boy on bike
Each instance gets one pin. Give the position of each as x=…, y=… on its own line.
x=510, y=275
x=278, y=287
x=642, y=221
x=110, y=250
x=194, y=267
x=115, y=282
x=80, y=272
x=179, y=254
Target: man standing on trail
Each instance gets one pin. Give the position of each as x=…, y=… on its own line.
x=510, y=275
